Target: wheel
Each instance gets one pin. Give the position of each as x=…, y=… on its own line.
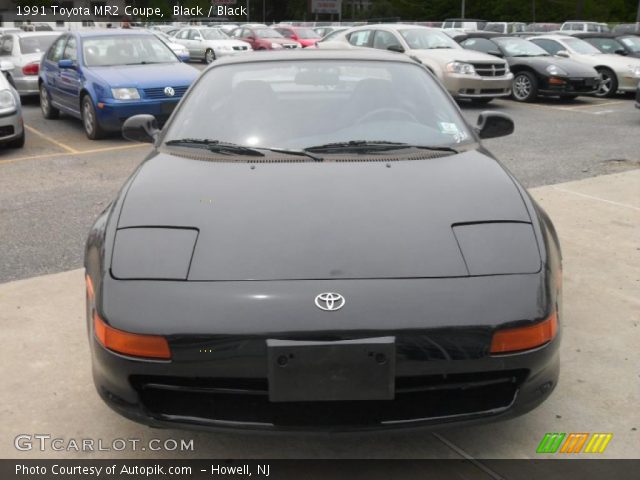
x=18, y=142
x=481, y=101
x=90, y=120
x=48, y=110
x=608, y=85
x=525, y=87
x=209, y=56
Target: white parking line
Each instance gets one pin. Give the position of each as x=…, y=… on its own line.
x=597, y=198
x=493, y=474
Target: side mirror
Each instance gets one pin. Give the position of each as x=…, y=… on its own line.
x=141, y=128
x=494, y=124
x=620, y=51
x=562, y=53
x=66, y=63
x=495, y=53
x=184, y=58
x=6, y=66
x=396, y=48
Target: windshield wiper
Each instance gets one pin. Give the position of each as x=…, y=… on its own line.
x=216, y=146
x=301, y=153
x=363, y=146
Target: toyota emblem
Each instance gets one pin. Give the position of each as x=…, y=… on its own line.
x=330, y=301
x=169, y=92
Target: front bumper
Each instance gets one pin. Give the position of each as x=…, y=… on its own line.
x=572, y=86
x=627, y=82
x=476, y=86
x=11, y=126
x=113, y=113
x=443, y=371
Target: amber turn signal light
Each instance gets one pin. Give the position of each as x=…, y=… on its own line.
x=525, y=338
x=136, y=345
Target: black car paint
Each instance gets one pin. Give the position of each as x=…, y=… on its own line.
x=626, y=51
x=441, y=315
x=581, y=80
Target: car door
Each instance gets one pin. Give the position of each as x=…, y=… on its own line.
x=182, y=37
x=197, y=43
x=383, y=40
x=69, y=79
x=50, y=69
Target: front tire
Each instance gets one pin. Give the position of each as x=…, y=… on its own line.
x=209, y=56
x=48, y=111
x=525, y=87
x=90, y=120
x=609, y=85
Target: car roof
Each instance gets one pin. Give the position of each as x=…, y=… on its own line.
x=35, y=34
x=552, y=37
x=355, y=54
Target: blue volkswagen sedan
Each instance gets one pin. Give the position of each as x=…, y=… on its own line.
x=105, y=77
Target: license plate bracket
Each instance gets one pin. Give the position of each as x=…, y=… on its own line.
x=307, y=371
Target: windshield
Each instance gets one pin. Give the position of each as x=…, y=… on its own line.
x=213, y=34
x=632, y=43
x=606, y=45
x=36, y=44
x=332, y=35
x=306, y=33
x=126, y=50
x=266, y=33
x=580, y=46
x=307, y=103
x=422, y=38
x=517, y=47
x=496, y=27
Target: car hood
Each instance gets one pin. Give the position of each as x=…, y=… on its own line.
x=446, y=55
x=615, y=62
x=309, y=220
x=572, y=67
x=147, y=76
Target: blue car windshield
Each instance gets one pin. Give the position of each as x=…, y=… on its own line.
x=115, y=50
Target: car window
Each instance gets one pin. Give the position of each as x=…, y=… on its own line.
x=6, y=45
x=35, y=43
x=498, y=27
x=519, y=47
x=71, y=51
x=193, y=34
x=214, y=34
x=306, y=33
x=592, y=28
x=55, y=52
x=424, y=38
x=480, y=44
x=284, y=32
x=632, y=43
x=605, y=45
x=580, y=46
x=550, y=46
x=313, y=102
x=383, y=40
x=360, y=38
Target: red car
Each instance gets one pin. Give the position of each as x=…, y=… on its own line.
x=306, y=36
x=263, y=38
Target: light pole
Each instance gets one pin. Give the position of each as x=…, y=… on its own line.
x=462, y=9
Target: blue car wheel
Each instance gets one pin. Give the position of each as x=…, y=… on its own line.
x=48, y=110
x=90, y=120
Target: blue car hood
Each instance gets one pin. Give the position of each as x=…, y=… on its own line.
x=147, y=76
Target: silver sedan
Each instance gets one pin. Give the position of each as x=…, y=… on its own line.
x=25, y=50
x=11, y=123
x=207, y=44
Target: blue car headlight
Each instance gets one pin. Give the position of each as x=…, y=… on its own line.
x=125, y=93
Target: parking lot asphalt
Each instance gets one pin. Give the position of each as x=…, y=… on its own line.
x=53, y=189
x=47, y=386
